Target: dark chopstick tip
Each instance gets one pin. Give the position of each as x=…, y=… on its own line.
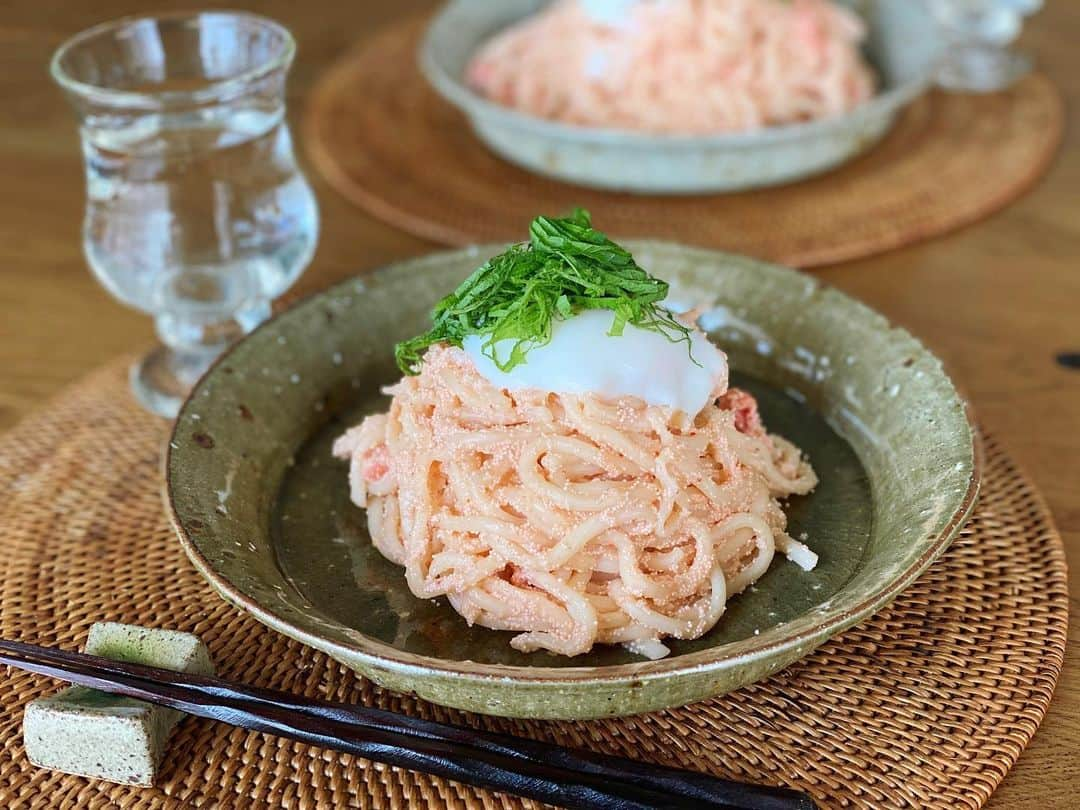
x=1069, y=360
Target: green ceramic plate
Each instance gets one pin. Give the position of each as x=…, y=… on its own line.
x=263, y=511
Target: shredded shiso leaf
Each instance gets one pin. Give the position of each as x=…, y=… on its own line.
x=566, y=267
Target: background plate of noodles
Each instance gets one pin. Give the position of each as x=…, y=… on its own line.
x=680, y=104
x=263, y=509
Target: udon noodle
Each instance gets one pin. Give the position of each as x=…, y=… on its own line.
x=573, y=519
x=689, y=66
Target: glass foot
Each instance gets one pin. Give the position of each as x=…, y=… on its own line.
x=162, y=379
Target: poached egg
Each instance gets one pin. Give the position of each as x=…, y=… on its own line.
x=582, y=358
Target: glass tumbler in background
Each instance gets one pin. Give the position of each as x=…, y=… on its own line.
x=196, y=210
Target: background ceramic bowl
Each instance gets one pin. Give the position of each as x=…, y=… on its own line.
x=904, y=46
x=264, y=514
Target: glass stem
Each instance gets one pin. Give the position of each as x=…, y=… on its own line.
x=195, y=336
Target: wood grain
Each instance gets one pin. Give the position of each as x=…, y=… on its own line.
x=997, y=301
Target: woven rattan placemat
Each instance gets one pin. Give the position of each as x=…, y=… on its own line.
x=927, y=704
x=386, y=141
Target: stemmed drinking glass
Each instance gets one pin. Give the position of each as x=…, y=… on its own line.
x=196, y=210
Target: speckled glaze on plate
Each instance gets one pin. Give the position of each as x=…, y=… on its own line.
x=903, y=45
x=263, y=511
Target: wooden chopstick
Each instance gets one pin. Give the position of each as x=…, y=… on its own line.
x=568, y=777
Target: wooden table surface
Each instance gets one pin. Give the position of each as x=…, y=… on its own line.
x=996, y=301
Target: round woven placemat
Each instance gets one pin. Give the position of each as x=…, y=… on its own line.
x=385, y=140
x=927, y=704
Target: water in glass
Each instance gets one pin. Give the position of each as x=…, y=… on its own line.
x=217, y=190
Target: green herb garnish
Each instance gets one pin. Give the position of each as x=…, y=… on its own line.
x=564, y=268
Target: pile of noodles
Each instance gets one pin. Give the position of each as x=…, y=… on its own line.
x=572, y=519
x=679, y=66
